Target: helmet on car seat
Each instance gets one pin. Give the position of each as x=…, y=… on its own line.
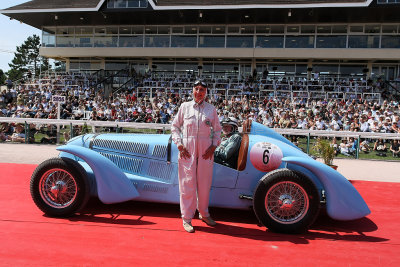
x=230, y=121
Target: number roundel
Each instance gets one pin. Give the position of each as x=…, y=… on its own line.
x=265, y=156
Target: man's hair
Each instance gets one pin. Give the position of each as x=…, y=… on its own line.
x=200, y=82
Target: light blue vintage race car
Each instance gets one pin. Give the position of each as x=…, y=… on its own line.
x=284, y=186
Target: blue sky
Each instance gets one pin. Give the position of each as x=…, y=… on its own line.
x=12, y=33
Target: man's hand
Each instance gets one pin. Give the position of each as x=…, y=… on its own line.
x=209, y=152
x=183, y=152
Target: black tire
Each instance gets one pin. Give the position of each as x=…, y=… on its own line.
x=286, y=201
x=59, y=187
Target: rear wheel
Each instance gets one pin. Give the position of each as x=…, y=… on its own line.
x=285, y=201
x=59, y=187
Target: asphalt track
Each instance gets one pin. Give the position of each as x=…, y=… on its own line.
x=135, y=233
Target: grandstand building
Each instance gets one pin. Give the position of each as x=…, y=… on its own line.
x=345, y=38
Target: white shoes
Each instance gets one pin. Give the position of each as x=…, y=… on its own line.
x=208, y=220
x=188, y=227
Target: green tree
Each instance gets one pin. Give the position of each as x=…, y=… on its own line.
x=27, y=58
x=2, y=77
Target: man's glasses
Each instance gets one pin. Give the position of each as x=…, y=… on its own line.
x=198, y=82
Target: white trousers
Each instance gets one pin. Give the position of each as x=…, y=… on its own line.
x=195, y=178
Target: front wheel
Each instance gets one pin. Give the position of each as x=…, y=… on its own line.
x=59, y=187
x=285, y=201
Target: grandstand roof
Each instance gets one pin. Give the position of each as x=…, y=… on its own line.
x=249, y=2
x=57, y=4
x=39, y=13
x=95, y=5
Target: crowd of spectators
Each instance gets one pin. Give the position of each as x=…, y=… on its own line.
x=33, y=99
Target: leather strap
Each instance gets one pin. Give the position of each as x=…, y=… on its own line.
x=169, y=149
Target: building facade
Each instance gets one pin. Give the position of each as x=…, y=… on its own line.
x=349, y=38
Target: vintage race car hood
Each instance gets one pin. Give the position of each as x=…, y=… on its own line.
x=154, y=146
x=259, y=129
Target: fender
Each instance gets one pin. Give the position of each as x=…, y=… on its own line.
x=112, y=184
x=342, y=199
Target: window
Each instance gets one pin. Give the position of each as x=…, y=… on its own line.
x=127, y=3
x=300, y=41
x=293, y=29
x=331, y=41
x=137, y=30
x=183, y=41
x=275, y=29
x=48, y=37
x=247, y=29
x=83, y=30
x=190, y=30
x=232, y=36
x=125, y=30
x=269, y=41
x=339, y=29
x=204, y=29
x=65, y=31
x=385, y=2
x=362, y=41
x=101, y=30
x=150, y=30
x=263, y=29
x=131, y=41
x=324, y=29
x=389, y=28
x=307, y=29
x=356, y=28
x=372, y=29
x=105, y=41
x=63, y=41
x=390, y=41
x=177, y=29
x=163, y=29
x=240, y=41
x=233, y=29
x=218, y=29
x=133, y=3
x=157, y=41
x=84, y=41
x=211, y=41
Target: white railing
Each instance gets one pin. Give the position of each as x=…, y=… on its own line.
x=165, y=127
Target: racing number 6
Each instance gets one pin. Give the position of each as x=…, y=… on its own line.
x=266, y=156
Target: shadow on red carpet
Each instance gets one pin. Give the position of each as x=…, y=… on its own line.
x=152, y=233
x=234, y=223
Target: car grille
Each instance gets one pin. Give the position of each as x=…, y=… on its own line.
x=125, y=146
x=155, y=188
x=160, y=170
x=125, y=163
x=159, y=151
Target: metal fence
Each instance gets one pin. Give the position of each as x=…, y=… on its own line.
x=114, y=126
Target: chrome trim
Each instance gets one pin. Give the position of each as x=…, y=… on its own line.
x=58, y=188
x=287, y=202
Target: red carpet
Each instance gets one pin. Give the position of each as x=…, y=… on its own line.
x=151, y=234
